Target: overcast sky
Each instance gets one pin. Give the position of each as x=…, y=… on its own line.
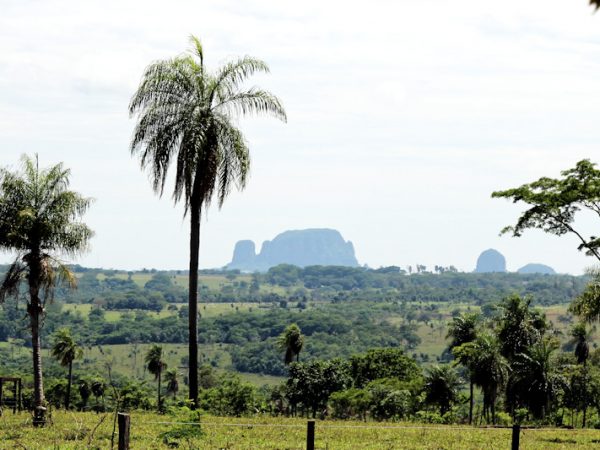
x=403, y=117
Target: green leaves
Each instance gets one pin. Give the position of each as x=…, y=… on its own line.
x=185, y=117
x=64, y=347
x=154, y=361
x=40, y=220
x=554, y=204
x=291, y=341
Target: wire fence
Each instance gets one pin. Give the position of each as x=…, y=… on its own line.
x=371, y=436
x=148, y=430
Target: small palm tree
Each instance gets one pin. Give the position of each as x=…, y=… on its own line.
x=581, y=336
x=156, y=366
x=461, y=330
x=291, y=341
x=66, y=350
x=40, y=221
x=487, y=367
x=85, y=391
x=98, y=387
x=172, y=382
x=442, y=385
x=533, y=382
x=186, y=117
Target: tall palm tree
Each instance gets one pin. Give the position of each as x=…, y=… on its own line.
x=40, y=221
x=66, y=350
x=156, y=366
x=185, y=117
x=291, y=341
x=461, y=330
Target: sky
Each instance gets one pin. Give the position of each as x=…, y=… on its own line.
x=403, y=117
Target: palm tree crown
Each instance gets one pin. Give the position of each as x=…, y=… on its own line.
x=185, y=115
x=154, y=361
x=65, y=349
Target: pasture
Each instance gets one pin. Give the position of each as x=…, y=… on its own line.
x=75, y=430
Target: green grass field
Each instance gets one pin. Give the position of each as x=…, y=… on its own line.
x=74, y=430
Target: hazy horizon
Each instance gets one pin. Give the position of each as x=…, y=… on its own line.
x=403, y=116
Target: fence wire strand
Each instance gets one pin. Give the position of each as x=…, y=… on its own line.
x=322, y=426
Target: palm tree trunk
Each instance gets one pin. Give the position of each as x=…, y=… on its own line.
x=70, y=381
x=470, y=400
x=193, y=301
x=159, y=399
x=35, y=309
x=39, y=415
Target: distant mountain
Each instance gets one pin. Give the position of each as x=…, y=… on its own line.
x=537, y=268
x=490, y=261
x=316, y=246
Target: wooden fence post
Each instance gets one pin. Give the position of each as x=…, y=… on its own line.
x=15, y=398
x=310, y=435
x=123, y=420
x=20, y=395
x=516, y=431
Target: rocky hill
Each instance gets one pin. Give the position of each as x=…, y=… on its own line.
x=317, y=246
x=537, y=268
x=490, y=261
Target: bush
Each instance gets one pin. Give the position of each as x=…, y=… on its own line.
x=389, y=399
x=231, y=397
x=429, y=417
x=350, y=403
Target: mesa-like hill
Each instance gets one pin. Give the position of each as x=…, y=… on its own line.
x=310, y=247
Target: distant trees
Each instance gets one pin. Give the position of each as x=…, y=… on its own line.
x=40, y=220
x=66, y=350
x=510, y=354
x=186, y=117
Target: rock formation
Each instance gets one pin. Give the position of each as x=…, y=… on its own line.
x=319, y=246
x=537, y=268
x=490, y=261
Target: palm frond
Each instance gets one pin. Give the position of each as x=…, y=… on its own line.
x=251, y=101
x=12, y=280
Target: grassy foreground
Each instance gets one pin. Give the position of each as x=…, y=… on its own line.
x=93, y=431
